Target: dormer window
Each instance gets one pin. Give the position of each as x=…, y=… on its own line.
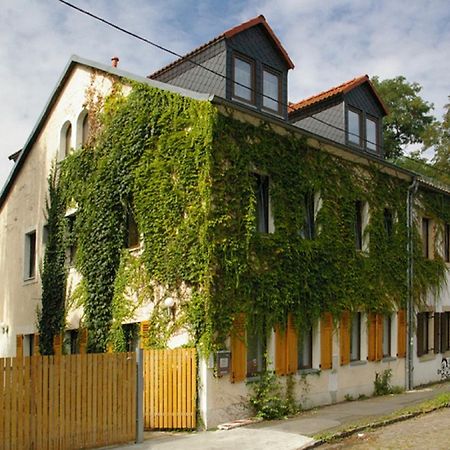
x=354, y=127
x=271, y=90
x=371, y=134
x=244, y=79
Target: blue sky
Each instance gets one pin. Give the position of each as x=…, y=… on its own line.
x=330, y=41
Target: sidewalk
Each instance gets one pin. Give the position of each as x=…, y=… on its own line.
x=294, y=433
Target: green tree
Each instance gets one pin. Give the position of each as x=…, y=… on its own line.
x=54, y=274
x=441, y=159
x=410, y=119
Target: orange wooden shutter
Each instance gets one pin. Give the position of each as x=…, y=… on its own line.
x=326, y=341
x=401, y=333
x=379, y=337
x=144, y=328
x=238, y=349
x=83, y=337
x=57, y=344
x=19, y=346
x=280, y=351
x=292, y=350
x=344, y=338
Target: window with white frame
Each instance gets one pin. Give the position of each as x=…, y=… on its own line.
x=426, y=237
x=30, y=255
x=255, y=354
x=355, y=337
x=386, y=339
x=262, y=203
x=309, y=228
x=422, y=333
x=305, y=349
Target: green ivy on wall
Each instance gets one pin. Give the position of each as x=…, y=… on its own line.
x=186, y=170
x=54, y=273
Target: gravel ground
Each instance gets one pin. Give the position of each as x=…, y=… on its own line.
x=430, y=431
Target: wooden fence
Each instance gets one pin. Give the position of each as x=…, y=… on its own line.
x=67, y=402
x=170, y=388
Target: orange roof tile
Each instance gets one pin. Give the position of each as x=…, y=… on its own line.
x=260, y=20
x=337, y=90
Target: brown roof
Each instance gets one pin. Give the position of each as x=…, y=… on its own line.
x=260, y=20
x=337, y=90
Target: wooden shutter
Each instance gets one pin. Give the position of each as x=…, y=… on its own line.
x=401, y=333
x=19, y=346
x=437, y=332
x=420, y=333
x=344, y=338
x=444, y=331
x=326, y=341
x=379, y=337
x=292, y=347
x=83, y=338
x=280, y=351
x=57, y=344
x=238, y=349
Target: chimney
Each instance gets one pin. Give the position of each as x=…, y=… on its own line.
x=114, y=61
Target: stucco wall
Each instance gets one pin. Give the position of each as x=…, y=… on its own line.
x=24, y=211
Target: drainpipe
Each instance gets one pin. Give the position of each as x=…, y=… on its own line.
x=409, y=379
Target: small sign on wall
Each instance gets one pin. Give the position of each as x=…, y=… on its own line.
x=223, y=363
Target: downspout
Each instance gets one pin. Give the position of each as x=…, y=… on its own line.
x=409, y=369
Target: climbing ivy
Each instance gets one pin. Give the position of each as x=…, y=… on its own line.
x=54, y=274
x=185, y=170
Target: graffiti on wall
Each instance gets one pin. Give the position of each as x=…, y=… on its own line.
x=444, y=371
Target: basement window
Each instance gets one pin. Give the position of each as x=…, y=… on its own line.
x=305, y=349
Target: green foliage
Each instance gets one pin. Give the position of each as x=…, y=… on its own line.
x=410, y=120
x=54, y=274
x=186, y=171
x=382, y=383
x=441, y=160
x=267, y=399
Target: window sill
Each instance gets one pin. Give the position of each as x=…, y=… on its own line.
x=427, y=357
x=242, y=101
x=28, y=281
x=389, y=359
x=358, y=362
x=311, y=371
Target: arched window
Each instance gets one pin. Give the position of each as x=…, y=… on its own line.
x=85, y=130
x=82, y=137
x=65, y=140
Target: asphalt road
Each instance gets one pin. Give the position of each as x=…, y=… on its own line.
x=430, y=431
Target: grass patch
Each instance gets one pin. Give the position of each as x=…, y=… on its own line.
x=438, y=402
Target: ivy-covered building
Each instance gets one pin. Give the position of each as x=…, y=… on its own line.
x=198, y=207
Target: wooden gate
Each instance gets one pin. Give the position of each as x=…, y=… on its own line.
x=170, y=388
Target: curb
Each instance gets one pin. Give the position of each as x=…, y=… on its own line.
x=346, y=433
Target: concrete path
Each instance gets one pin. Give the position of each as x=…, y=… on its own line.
x=289, y=434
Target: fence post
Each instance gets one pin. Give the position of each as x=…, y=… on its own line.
x=139, y=395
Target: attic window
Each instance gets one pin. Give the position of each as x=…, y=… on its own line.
x=354, y=126
x=244, y=79
x=271, y=90
x=371, y=134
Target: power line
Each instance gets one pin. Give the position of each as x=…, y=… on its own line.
x=287, y=105
x=160, y=47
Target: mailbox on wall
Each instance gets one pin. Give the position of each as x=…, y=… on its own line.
x=223, y=363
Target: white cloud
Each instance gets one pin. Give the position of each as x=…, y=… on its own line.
x=329, y=41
